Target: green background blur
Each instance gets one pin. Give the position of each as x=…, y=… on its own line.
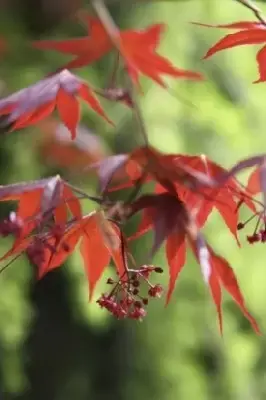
x=56, y=346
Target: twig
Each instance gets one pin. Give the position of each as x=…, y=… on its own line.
x=10, y=262
x=113, y=31
x=84, y=195
x=256, y=11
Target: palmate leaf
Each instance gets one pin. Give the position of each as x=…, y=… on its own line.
x=152, y=165
x=87, y=49
x=202, y=196
x=30, y=105
x=100, y=239
x=228, y=280
x=224, y=198
x=39, y=200
x=250, y=33
x=173, y=223
x=137, y=48
x=95, y=249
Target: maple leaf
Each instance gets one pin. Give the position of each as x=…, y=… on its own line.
x=224, y=199
x=151, y=164
x=172, y=223
x=34, y=103
x=204, y=199
x=250, y=33
x=87, y=49
x=95, y=249
x=138, y=49
x=38, y=201
x=43, y=207
x=56, y=147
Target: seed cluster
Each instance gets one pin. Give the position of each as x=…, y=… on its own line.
x=125, y=299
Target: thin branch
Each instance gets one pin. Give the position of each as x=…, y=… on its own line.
x=113, y=77
x=114, y=33
x=83, y=194
x=137, y=112
x=252, y=7
x=11, y=262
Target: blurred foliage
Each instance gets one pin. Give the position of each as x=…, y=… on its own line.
x=53, y=344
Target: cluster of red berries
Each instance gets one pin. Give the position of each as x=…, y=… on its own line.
x=259, y=235
x=125, y=300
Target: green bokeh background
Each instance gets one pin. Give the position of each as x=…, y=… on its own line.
x=56, y=346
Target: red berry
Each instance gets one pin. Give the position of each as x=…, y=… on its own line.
x=253, y=238
x=138, y=313
x=155, y=291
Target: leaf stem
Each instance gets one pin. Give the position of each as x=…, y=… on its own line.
x=256, y=11
x=83, y=194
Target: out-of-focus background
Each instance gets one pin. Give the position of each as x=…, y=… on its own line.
x=53, y=344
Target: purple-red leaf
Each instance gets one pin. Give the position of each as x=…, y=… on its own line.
x=36, y=102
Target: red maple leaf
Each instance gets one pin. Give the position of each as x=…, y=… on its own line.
x=48, y=224
x=38, y=203
x=147, y=163
x=224, y=198
x=48, y=248
x=137, y=47
x=34, y=103
x=99, y=242
x=250, y=33
x=86, y=49
x=172, y=223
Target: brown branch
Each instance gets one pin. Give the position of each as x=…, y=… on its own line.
x=252, y=7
